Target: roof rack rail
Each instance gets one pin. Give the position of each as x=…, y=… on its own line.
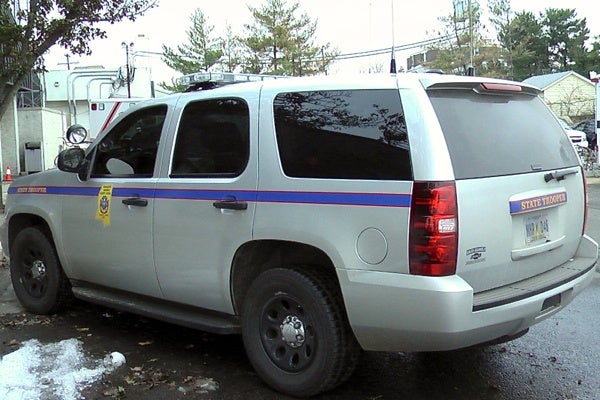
x=210, y=80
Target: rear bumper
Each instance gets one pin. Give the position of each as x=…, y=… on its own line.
x=397, y=312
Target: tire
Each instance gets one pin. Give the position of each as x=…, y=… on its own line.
x=296, y=332
x=36, y=274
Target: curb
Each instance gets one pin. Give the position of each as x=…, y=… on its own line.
x=592, y=180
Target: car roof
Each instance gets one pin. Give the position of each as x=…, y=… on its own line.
x=339, y=81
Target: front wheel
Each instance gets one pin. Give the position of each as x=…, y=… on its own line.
x=36, y=273
x=296, y=332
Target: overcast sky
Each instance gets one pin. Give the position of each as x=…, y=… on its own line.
x=348, y=26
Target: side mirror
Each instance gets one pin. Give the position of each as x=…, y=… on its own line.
x=76, y=134
x=71, y=160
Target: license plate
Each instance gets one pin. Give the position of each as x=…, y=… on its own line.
x=536, y=228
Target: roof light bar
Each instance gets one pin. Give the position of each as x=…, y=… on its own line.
x=224, y=78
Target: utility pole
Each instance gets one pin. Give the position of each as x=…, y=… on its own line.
x=126, y=46
x=68, y=63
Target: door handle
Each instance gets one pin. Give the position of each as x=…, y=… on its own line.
x=135, y=201
x=230, y=203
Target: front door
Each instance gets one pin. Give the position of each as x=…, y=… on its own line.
x=107, y=219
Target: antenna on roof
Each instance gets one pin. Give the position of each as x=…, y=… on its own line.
x=393, y=61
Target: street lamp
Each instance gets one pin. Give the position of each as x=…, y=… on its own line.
x=126, y=46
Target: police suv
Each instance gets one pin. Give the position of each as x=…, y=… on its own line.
x=318, y=217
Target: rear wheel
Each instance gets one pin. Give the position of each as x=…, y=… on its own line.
x=36, y=274
x=296, y=332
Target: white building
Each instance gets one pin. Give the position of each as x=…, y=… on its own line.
x=32, y=133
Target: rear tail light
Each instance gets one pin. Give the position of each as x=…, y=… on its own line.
x=433, y=237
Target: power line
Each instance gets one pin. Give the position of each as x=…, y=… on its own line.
x=408, y=46
x=345, y=56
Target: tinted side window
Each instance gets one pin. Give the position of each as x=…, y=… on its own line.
x=129, y=149
x=344, y=134
x=496, y=135
x=212, y=139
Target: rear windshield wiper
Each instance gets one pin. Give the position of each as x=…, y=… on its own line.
x=559, y=176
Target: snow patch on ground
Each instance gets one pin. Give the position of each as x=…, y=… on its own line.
x=55, y=371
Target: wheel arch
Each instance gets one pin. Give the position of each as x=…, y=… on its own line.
x=18, y=222
x=253, y=258
x=38, y=278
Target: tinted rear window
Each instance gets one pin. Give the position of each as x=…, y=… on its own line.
x=496, y=135
x=212, y=139
x=344, y=134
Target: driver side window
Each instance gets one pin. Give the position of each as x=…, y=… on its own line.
x=130, y=148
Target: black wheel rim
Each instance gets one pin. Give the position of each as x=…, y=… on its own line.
x=288, y=334
x=32, y=272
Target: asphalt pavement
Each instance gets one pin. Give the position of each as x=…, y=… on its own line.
x=8, y=301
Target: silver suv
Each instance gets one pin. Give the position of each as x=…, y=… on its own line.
x=316, y=217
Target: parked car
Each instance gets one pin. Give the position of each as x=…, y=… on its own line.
x=318, y=217
x=589, y=127
x=578, y=138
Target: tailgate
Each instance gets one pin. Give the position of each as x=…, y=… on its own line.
x=520, y=188
x=513, y=228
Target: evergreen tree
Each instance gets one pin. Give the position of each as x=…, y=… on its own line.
x=201, y=52
x=462, y=26
x=501, y=16
x=566, y=36
x=591, y=59
x=281, y=43
x=232, y=51
x=528, y=46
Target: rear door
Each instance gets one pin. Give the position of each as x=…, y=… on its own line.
x=336, y=173
x=519, y=185
x=205, y=201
